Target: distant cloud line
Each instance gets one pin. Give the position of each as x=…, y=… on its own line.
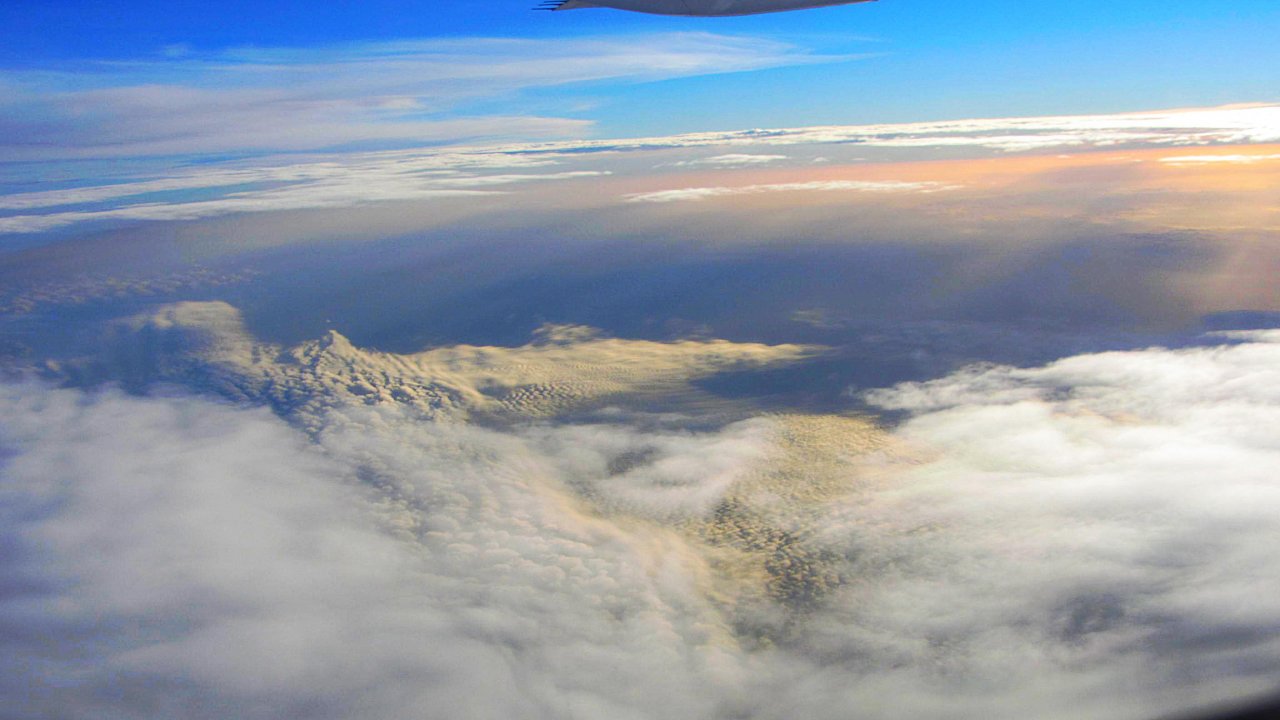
x=358, y=178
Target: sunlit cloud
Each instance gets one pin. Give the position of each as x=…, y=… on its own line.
x=731, y=160
x=706, y=193
x=348, y=187
x=1090, y=538
x=350, y=178
x=1219, y=159
x=1209, y=126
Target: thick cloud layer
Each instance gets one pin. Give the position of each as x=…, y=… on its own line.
x=177, y=558
x=1100, y=527
x=172, y=558
x=1088, y=539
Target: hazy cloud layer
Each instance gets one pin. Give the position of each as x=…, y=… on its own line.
x=1092, y=539
x=1225, y=125
x=445, y=168
x=357, y=187
x=351, y=179
x=336, y=181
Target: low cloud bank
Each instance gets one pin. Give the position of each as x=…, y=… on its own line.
x=1093, y=538
x=1098, y=529
x=469, y=158
x=173, y=557
x=177, y=558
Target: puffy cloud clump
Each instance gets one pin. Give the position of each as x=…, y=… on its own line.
x=174, y=557
x=1089, y=538
x=177, y=558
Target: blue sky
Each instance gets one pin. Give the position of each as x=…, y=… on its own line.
x=69, y=68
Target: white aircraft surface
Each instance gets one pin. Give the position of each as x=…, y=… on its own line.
x=704, y=8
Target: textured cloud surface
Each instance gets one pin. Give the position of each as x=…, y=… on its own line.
x=1098, y=524
x=564, y=368
x=180, y=559
x=1091, y=538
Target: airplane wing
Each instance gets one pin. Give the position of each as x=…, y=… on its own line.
x=699, y=8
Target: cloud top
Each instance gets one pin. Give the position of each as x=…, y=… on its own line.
x=1091, y=538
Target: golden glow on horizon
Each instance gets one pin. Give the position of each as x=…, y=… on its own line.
x=1219, y=188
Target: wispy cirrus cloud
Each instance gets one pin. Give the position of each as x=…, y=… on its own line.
x=295, y=99
x=351, y=186
x=339, y=180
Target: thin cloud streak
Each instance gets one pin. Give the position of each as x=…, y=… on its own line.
x=1228, y=125
x=1219, y=159
x=353, y=187
x=732, y=160
x=706, y=193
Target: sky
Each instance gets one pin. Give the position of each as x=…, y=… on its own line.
x=107, y=78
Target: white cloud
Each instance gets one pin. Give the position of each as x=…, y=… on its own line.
x=871, y=186
x=313, y=197
x=351, y=186
x=731, y=160
x=423, y=166
x=1216, y=159
x=167, y=552
x=176, y=558
x=1092, y=538
x=1093, y=535
x=1208, y=126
